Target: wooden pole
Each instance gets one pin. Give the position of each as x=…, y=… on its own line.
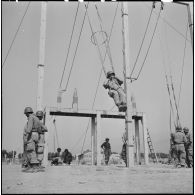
x=41, y=55
x=128, y=118
x=98, y=137
x=145, y=140
x=93, y=140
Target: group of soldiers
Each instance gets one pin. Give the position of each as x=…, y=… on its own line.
x=182, y=148
x=33, y=141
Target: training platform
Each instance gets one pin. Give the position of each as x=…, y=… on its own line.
x=96, y=116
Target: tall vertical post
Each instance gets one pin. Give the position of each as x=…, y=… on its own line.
x=137, y=142
x=41, y=55
x=93, y=140
x=98, y=138
x=145, y=140
x=191, y=26
x=128, y=118
x=40, y=67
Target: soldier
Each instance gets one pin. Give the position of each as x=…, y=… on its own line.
x=179, y=139
x=67, y=157
x=41, y=141
x=116, y=91
x=188, y=147
x=107, y=150
x=172, y=153
x=31, y=137
x=25, y=162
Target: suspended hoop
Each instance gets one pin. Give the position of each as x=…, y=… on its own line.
x=93, y=39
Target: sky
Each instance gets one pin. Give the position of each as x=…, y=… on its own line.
x=20, y=76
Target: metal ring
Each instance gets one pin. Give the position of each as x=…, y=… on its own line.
x=93, y=40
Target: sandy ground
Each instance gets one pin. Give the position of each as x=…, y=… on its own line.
x=98, y=179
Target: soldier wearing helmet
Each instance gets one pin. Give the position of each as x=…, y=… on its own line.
x=41, y=141
x=179, y=139
x=188, y=147
x=115, y=90
x=31, y=137
x=107, y=150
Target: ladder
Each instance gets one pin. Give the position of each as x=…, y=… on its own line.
x=153, y=154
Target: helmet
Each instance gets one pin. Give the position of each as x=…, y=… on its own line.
x=185, y=129
x=178, y=128
x=28, y=110
x=107, y=139
x=39, y=113
x=109, y=73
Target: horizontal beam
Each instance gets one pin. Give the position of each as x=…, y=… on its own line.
x=90, y=113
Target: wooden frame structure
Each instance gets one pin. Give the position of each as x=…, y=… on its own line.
x=96, y=117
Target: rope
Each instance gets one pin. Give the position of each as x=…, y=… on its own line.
x=175, y=101
x=108, y=48
x=171, y=105
x=69, y=44
x=76, y=47
x=99, y=77
x=142, y=40
x=98, y=48
x=16, y=34
x=54, y=122
x=170, y=25
x=111, y=32
x=182, y=66
x=150, y=43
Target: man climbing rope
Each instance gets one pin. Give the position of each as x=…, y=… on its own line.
x=116, y=91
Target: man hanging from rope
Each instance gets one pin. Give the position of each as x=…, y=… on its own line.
x=116, y=91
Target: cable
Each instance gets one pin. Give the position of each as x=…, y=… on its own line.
x=54, y=120
x=111, y=32
x=16, y=34
x=109, y=52
x=142, y=41
x=76, y=47
x=149, y=44
x=69, y=44
x=99, y=78
x=182, y=66
x=165, y=21
x=98, y=48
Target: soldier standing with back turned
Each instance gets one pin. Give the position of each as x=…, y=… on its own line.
x=188, y=147
x=179, y=139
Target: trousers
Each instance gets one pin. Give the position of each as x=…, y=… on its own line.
x=180, y=154
x=31, y=148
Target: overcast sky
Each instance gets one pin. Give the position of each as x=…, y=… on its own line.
x=19, y=74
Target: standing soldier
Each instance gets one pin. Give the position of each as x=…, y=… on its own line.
x=31, y=137
x=107, y=150
x=25, y=162
x=179, y=139
x=188, y=147
x=172, y=152
x=116, y=91
x=41, y=141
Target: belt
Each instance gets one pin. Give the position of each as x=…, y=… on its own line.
x=179, y=143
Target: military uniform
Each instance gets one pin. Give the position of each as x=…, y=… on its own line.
x=116, y=91
x=179, y=140
x=41, y=140
x=189, y=148
x=107, y=150
x=67, y=157
x=25, y=162
x=32, y=136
